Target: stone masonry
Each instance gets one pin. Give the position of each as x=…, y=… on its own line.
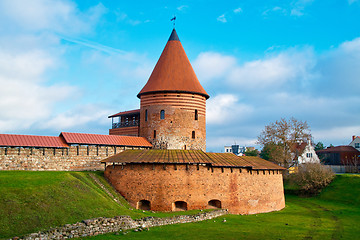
x=74, y=158
x=98, y=226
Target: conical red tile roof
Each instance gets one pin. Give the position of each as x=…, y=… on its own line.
x=173, y=72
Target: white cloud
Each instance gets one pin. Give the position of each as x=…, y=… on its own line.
x=210, y=65
x=224, y=108
x=351, y=46
x=275, y=9
x=222, y=18
x=228, y=141
x=322, y=89
x=24, y=100
x=77, y=118
x=182, y=7
x=53, y=15
x=121, y=16
x=331, y=135
x=298, y=7
x=30, y=51
x=272, y=71
x=237, y=10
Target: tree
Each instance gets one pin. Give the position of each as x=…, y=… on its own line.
x=319, y=146
x=251, y=152
x=280, y=138
x=311, y=178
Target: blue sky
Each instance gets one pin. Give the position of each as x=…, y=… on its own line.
x=66, y=65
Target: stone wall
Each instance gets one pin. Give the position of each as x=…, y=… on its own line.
x=174, y=187
x=74, y=158
x=175, y=130
x=98, y=226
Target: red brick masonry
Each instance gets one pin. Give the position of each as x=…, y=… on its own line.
x=241, y=191
x=171, y=180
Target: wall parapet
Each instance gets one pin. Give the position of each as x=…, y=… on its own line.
x=97, y=226
x=74, y=158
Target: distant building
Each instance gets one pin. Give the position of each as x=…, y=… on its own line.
x=237, y=150
x=339, y=155
x=355, y=143
x=305, y=153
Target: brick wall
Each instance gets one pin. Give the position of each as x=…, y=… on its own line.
x=75, y=158
x=241, y=191
x=175, y=131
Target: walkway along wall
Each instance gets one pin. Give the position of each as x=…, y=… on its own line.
x=74, y=158
x=172, y=187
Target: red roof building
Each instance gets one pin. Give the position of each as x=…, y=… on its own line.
x=339, y=155
x=13, y=140
x=66, y=139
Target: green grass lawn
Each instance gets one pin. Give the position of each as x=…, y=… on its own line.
x=334, y=214
x=33, y=201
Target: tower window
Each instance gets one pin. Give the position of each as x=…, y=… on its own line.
x=154, y=133
x=193, y=134
x=162, y=114
x=146, y=115
x=196, y=114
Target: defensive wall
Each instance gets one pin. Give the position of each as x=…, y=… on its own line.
x=174, y=187
x=74, y=158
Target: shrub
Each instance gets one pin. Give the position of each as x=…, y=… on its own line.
x=311, y=178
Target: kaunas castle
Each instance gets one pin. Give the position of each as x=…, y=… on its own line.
x=155, y=156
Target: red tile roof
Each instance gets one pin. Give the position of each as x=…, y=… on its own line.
x=97, y=139
x=125, y=113
x=12, y=140
x=173, y=72
x=192, y=157
x=339, y=149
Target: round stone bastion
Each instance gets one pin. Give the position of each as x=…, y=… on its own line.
x=165, y=186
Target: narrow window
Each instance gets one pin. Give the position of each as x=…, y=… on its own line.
x=162, y=114
x=145, y=115
x=196, y=114
x=193, y=134
x=154, y=133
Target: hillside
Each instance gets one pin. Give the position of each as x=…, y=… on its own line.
x=32, y=201
x=334, y=214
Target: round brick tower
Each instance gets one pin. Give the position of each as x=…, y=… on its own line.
x=173, y=102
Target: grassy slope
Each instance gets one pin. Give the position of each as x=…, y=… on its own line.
x=33, y=201
x=334, y=214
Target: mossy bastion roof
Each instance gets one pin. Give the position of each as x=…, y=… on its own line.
x=154, y=156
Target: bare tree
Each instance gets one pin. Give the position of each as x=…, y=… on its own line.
x=279, y=139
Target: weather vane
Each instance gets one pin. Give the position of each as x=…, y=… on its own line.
x=173, y=19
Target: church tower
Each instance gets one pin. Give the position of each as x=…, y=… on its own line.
x=173, y=102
